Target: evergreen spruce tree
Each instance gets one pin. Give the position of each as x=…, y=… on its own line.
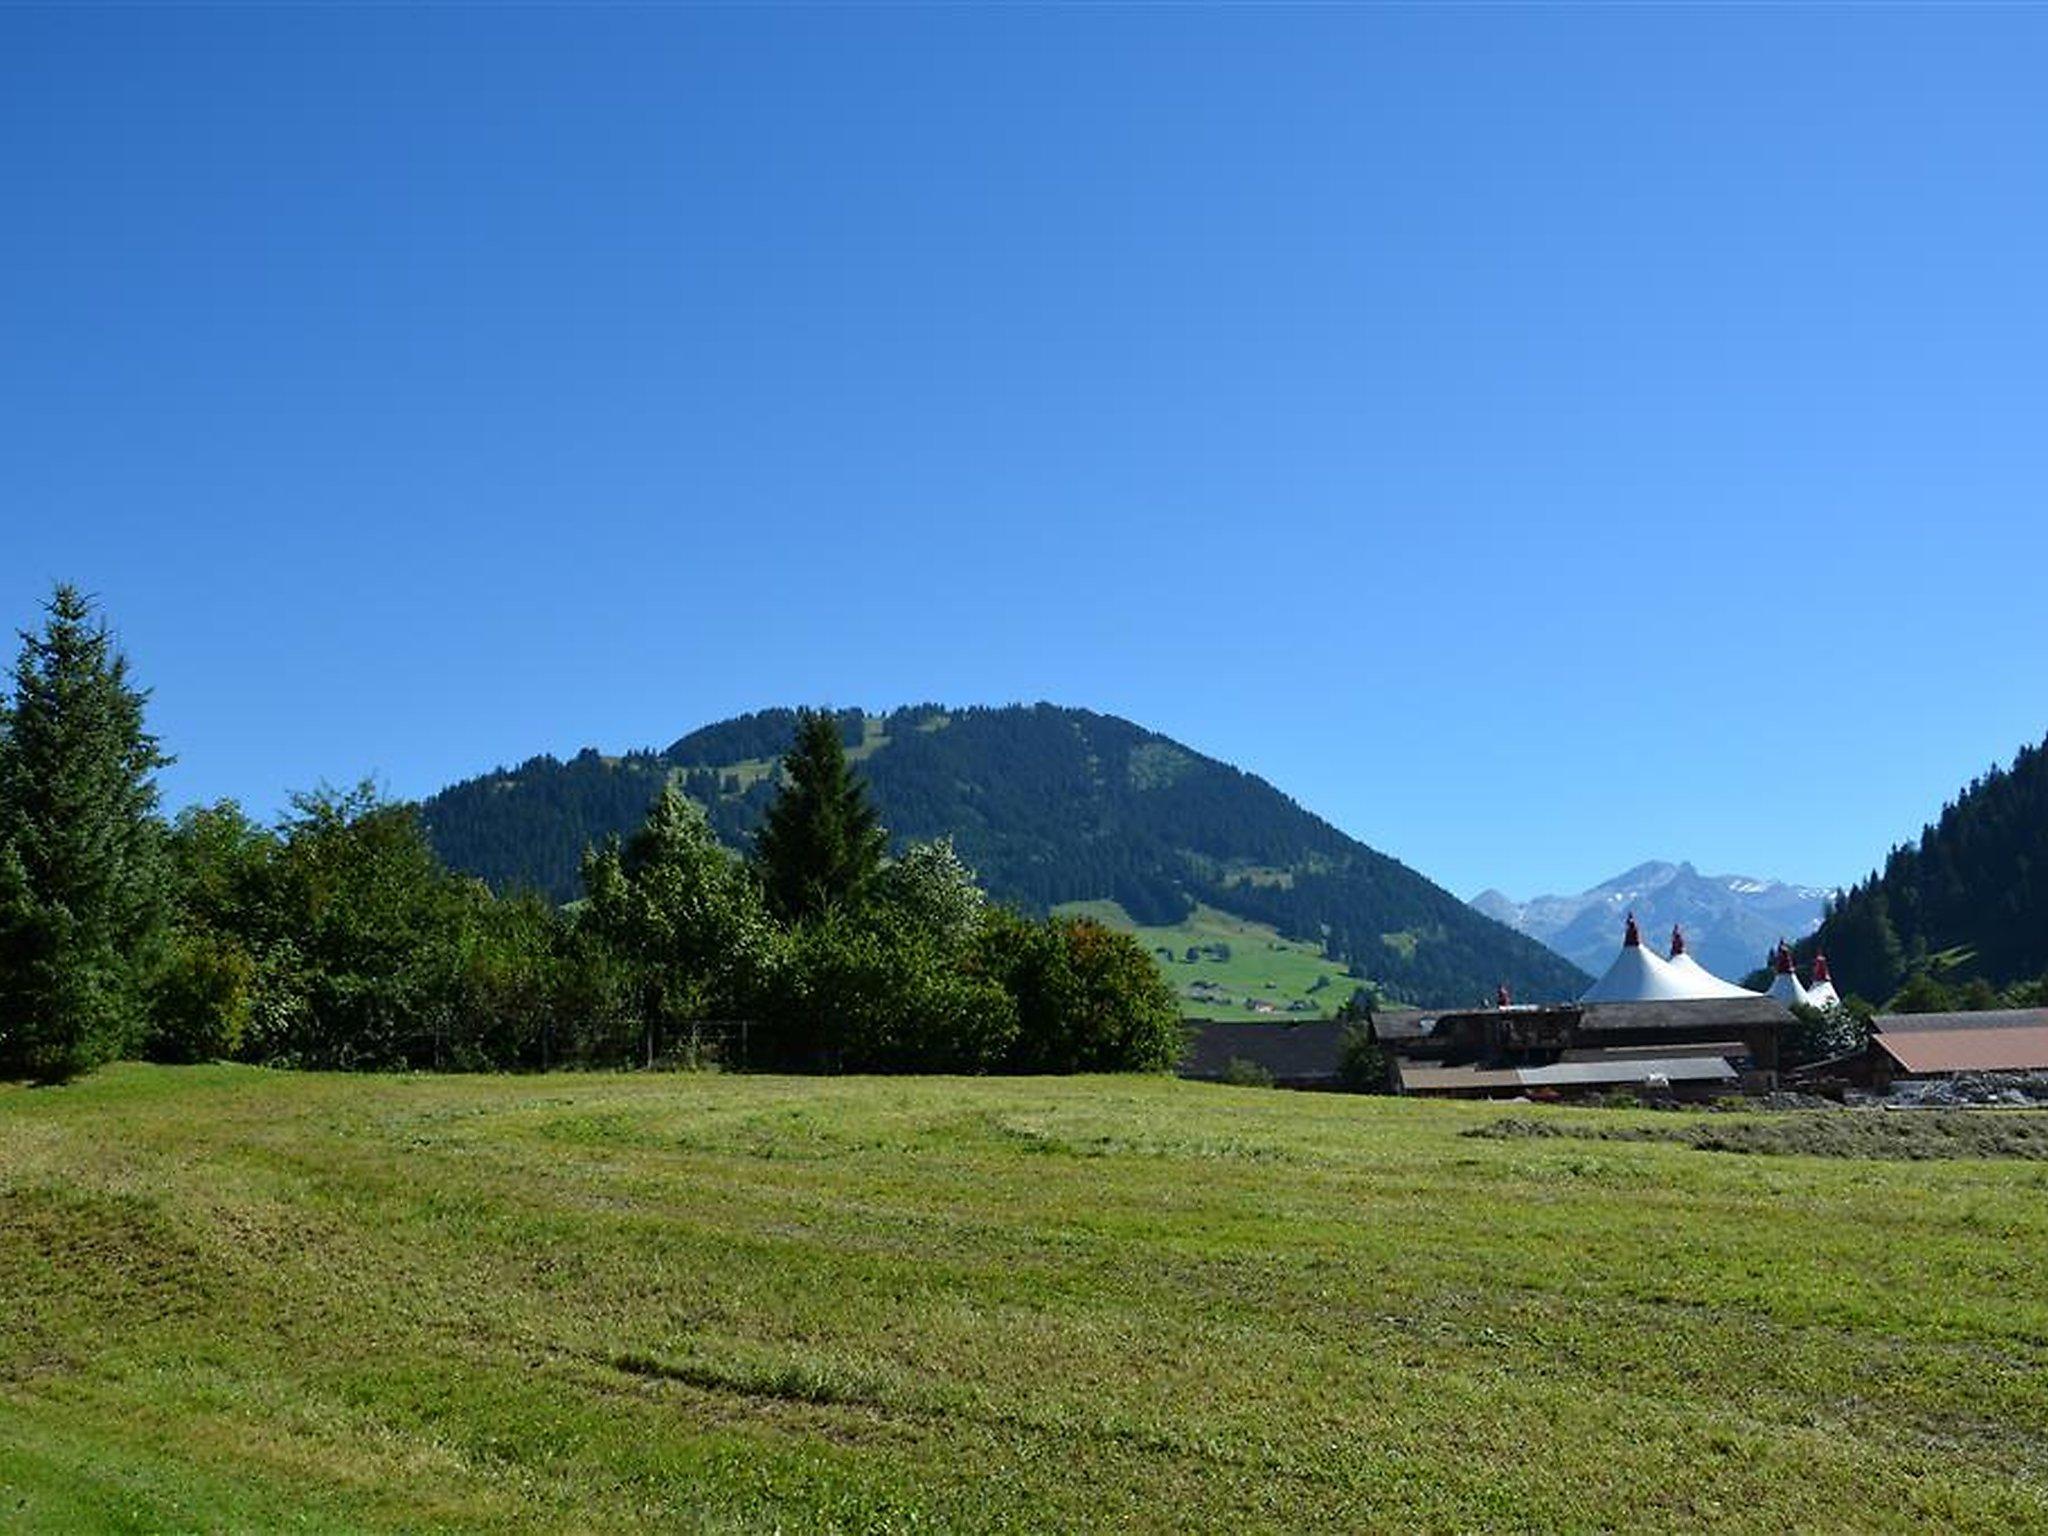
x=81, y=850
x=821, y=843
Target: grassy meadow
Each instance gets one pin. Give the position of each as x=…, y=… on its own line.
x=239, y=1300
x=1259, y=964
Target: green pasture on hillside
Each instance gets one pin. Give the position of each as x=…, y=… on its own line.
x=1260, y=965
x=240, y=1300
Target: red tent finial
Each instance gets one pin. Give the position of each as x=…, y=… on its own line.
x=1820, y=968
x=1677, y=941
x=1629, y=937
x=1784, y=958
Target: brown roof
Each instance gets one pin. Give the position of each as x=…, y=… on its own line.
x=1988, y=1018
x=1956, y=1048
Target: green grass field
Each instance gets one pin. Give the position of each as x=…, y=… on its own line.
x=1261, y=965
x=236, y=1300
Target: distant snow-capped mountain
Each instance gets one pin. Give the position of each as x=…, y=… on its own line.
x=1730, y=921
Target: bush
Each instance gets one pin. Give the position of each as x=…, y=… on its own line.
x=1089, y=999
x=1239, y=1073
x=687, y=914
x=1819, y=1034
x=857, y=996
x=368, y=974
x=204, y=998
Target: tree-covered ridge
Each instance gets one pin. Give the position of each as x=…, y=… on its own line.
x=1049, y=805
x=1969, y=898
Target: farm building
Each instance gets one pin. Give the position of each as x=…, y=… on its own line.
x=1919, y=1045
x=1297, y=1055
x=1684, y=1045
x=1667, y=1026
x=1680, y=1076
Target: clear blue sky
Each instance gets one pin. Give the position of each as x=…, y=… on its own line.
x=1537, y=439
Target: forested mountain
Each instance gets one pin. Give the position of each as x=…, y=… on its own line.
x=1976, y=881
x=1049, y=805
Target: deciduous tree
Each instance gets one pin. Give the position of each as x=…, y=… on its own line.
x=684, y=910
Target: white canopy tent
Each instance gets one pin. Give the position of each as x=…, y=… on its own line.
x=1822, y=993
x=1638, y=976
x=1704, y=983
x=1785, y=985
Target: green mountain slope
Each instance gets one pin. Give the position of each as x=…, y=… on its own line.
x=1224, y=967
x=1050, y=805
x=1977, y=880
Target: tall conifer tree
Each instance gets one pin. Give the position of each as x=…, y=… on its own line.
x=81, y=850
x=821, y=843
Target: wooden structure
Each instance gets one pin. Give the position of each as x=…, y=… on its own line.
x=1687, y=1046
x=1297, y=1055
x=1592, y=1045
x=1943, y=1044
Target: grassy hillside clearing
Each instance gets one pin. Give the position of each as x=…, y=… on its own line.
x=239, y=1300
x=1237, y=964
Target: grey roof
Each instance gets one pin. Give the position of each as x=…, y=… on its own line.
x=1293, y=1053
x=1674, y=1069
x=1990, y=1018
x=1563, y=1013
x=1704, y=1013
x=1690, y=1013
x=1404, y=1023
x=1662, y=1050
x=1567, y=1074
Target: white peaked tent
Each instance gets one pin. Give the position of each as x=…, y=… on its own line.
x=1822, y=993
x=1637, y=976
x=1704, y=983
x=1785, y=985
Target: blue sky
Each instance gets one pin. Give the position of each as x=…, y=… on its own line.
x=1537, y=439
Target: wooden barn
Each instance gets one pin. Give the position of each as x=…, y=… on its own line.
x=1922, y=1045
x=1687, y=1047
x=1694, y=1047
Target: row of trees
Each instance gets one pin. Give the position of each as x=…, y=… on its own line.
x=338, y=939
x=1956, y=916
x=1050, y=805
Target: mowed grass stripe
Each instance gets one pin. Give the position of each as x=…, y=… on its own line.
x=706, y=1302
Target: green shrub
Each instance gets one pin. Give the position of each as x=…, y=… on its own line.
x=203, y=1000
x=1240, y=1073
x=1089, y=999
x=858, y=996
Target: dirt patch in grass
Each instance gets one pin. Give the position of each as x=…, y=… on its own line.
x=68, y=1258
x=1917, y=1136
x=117, y=1254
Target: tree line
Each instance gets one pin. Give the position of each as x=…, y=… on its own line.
x=1959, y=917
x=337, y=938
x=1049, y=805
